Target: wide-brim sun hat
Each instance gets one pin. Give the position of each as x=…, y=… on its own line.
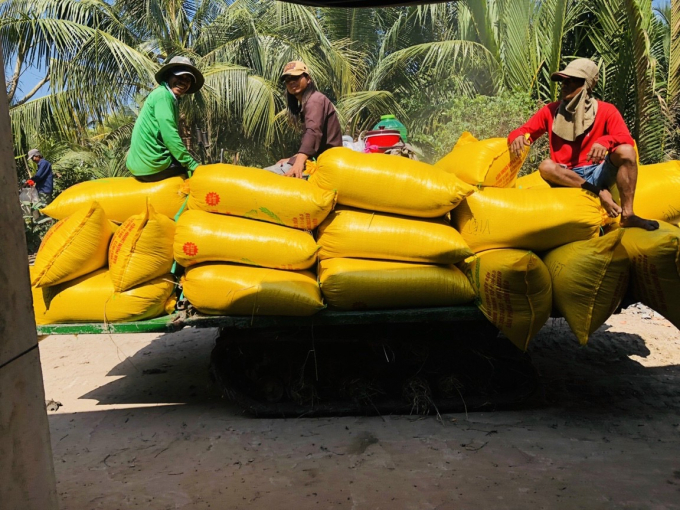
x=181, y=65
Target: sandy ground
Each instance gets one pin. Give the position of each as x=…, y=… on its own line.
x=142, y=426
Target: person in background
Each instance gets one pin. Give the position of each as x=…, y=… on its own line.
x=156, y=149
x=43, y=180
x=590, y=145
x=310, y=107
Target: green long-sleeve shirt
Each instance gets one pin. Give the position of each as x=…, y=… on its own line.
x=155, y=137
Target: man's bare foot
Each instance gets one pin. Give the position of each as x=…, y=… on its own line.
x=613, y=209
x=637, y=222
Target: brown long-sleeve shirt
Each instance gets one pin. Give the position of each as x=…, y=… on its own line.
x=322, y=128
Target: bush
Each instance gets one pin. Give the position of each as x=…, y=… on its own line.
x=35, y=225
x=484, y=117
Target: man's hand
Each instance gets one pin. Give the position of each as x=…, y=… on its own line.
x=518, y=144
x=597, y=153
x=298, y=167
x=296, y=170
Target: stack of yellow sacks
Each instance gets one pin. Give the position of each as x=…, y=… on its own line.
x=246, y=242
x=518, y=247
x=71, y=280
x=507, y=226
x=388, y=245
x=654, y=257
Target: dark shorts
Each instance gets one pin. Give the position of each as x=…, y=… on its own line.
x=173, y=170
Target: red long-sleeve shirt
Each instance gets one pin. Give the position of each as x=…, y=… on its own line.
x=609, y=130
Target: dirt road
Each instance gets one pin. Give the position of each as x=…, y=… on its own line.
x=141, y=426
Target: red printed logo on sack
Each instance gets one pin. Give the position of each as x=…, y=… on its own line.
x=212, y=199
x=190, y=249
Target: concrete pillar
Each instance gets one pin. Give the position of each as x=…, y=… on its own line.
x=26, y=472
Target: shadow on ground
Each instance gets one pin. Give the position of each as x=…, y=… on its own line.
x=601, y=377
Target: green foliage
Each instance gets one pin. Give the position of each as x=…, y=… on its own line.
x=407, y=60
x=35, y=225
x=484, y=117
x=629, y=41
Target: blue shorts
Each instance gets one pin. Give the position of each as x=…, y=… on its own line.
x=602, y=175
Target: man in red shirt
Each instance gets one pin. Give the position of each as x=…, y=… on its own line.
x=590, y=145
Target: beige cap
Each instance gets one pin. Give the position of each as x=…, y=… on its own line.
x=34, y=152
x=294, y=68
x=579, y=68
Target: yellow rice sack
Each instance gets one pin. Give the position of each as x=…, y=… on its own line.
x=533, y=219
x=170, y=306
x=657, y=193
x=379, y=182
x=353, y=233
x=205, y=237
x=513, y=291
x=141, y=249
x=91, y=298
x=259, y=195
x=483, y=162
x=120, y=197
x=655, y=268
x=226, y=289
x=355, y=284
x=589, y=280
x=74, y=246
x=532, y=180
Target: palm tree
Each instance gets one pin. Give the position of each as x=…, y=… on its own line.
x=116, y=47
x=100, y=57
x=629, y=42
x=669, y=14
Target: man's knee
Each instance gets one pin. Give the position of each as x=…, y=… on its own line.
x=624, y=155
x=547, y=169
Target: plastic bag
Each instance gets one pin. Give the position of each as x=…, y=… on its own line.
x=655, y=268
x=258, y=194
x=226, y=289
x=120, y=197
x=356, y=284
x=141, y=249
x=361, y=234
x=483, y=162
x=91, y=298
x=589, y=280
x=205, y=237
x=73, y=247
x=378, y=182
x=513, y=290
x=533, y=219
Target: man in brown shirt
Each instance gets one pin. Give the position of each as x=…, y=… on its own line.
x=317, y=114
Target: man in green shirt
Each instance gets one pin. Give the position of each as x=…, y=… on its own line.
x=156, y=149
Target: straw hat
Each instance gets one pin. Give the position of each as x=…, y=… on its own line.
x=178, y=66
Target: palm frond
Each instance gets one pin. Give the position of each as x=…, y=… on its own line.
x=674, y=56
x=442, y=59
x=359, y=111
x=481, y=14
